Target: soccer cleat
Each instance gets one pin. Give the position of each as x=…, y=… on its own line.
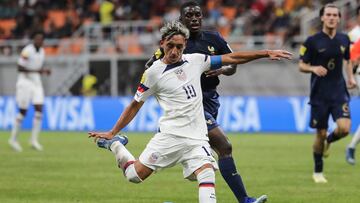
x=319, y=178
x=350, y=155
x=261, y=199
x=36, y=145
x=15, y=145
x=106, y=144
x=326, y=151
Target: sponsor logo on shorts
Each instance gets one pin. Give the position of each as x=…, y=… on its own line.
x=154, y=157
x=209, y=122
x=314, y=122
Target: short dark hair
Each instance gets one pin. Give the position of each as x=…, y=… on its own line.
x=358, y=10
x=37, y=32
x=330, y=5
x=188, y=4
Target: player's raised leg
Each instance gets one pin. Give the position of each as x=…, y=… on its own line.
x=206, y=179
x=342, y=130
x=134, y=171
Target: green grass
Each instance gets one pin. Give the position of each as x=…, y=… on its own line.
x=72, y=169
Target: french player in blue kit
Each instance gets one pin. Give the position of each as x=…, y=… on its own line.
x=322, y=55
x=211, y=43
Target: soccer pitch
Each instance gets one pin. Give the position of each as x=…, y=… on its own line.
x=73, y=169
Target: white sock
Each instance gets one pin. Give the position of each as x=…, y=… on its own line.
x=356, y=138
x=36, y=128
x=16, y=127
x=122, y=155
x=206, y=180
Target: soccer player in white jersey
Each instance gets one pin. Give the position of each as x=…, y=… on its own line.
x=354, y=36
x=29, y=89
x=182, y=138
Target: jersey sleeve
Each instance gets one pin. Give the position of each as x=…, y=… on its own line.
x=306, y=51
x=146, y=87
x=223, y=45
x=24, y=57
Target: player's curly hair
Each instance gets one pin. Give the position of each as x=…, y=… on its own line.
x=173, y=28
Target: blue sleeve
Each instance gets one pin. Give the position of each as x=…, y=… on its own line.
x=306, y=51
x=215, y=62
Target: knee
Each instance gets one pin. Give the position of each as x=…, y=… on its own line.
x=343, y=131
x=131, y=174
x=225, y=149
x=206, y=176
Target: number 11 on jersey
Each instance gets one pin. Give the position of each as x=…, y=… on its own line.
x=190, y=91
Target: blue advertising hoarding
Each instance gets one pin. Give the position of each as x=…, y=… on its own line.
x=236, y=114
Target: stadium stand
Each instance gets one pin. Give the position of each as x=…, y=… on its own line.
x=74, y=28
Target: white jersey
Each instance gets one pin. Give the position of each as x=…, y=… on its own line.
x=31, y=59
x=354, y=34
x=178, y=91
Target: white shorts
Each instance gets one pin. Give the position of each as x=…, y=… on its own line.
x=27, y=92
x=166, y=150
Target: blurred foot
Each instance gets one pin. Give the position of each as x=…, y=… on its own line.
x=15, y=145
x=350, y=155
x=36, y=145
x=106, y=144
x=261, y=199
x=319, y=178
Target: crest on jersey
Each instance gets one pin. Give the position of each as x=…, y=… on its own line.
x=342, y=49
x=180, y=74
x=211, y=49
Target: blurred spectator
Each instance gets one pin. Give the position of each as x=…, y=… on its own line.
x=89, y=84
x=107, y=11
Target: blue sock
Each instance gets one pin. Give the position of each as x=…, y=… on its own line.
x=232, y=178
x=318, y=163
x=332, y=137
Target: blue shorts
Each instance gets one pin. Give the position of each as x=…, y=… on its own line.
x=320, y=114
x=211, y=106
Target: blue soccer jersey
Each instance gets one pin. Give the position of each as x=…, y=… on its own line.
x=321, y=50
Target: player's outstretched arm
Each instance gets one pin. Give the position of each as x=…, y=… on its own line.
x=317, y=70
x=247, y=56
x=126, y=117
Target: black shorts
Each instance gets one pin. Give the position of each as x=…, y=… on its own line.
x=320, y=114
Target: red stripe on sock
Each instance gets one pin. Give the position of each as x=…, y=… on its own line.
x=127, y=164
x=206, y=185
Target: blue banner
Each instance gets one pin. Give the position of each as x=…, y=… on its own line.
x=236, y=114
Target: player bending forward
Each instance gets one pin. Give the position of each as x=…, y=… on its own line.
x=182, y=138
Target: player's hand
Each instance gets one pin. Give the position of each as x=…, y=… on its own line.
x=106, y=135
x=319, y=71
x=279, y=54
x=351, y=83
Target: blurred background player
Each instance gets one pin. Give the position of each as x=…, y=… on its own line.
x=211, y=43
x=175, y=82
x=29, y=89
x=322, y=55
x=354, y=35
x=89, y=84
